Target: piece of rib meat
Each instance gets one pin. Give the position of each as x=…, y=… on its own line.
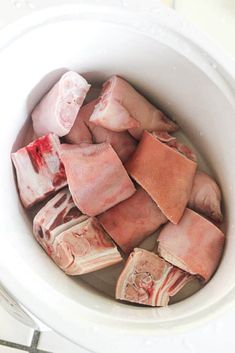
x=149, y=280
x=59, y=214
x=132, y=220
x=39, y=169
x=121, y=107
x=194, y=244
x=97, y=178
x=84, y=131
x=164, y=173
x=206, y=197
x=57, y=110
x=84, y=248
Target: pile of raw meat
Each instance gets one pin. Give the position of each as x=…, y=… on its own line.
x=116, y=176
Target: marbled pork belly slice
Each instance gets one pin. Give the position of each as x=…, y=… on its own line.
x=84, y=248
x=97, y=178
x=121, y=107
x=132, y=220
x=59, y=214
x=57, y=110
x=39, y=169
x=194, y=244
x=84, y=131
x=164, y=173
x=149, y=280
x=206, y=197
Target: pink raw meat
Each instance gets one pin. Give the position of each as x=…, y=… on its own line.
x=84, y=248
x=194, y=245
x=165, y=174
x=59, y=214
x=83, y=131
x=57, y=110
x=121, y=107
x=206, y=197
x=80, y=133
x=172, y=142
x=96, y=177
x=39, y=169
x=132, y=220
x=149, y=280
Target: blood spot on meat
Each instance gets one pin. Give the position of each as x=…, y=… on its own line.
x=60, y=176
x=37, y=149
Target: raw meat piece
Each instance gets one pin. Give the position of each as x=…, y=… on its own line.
x=172, y=141
x=84, y=248
x=57, y=110
x=39, y=169
x=96, y=177
x=206, y=197
x=121, y=107
x=59, y=214
x=83, y=131
x=194, y=245
x=80, y=133
x=132, y=220
x=165, y=174
x=147, y=279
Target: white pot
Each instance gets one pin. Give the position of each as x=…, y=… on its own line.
x=172, y=64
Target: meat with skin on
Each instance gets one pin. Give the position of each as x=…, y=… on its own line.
x=121, y=108
x=57, y=110
x=59, y=214
x=84, y=248
x=84, y=131
x=39, y=169
x=172, y=142
x=149, y=280
x=132, y=220
x=194, y=244
x=80, y=133
x=97, y=178
x=206, y=197
x=164, y=173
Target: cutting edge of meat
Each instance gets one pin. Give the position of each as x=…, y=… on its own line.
x=58, y=108
x=84, y=248
x=59, y=214
x=143, y=287
x=39, y=169
x=194, y=244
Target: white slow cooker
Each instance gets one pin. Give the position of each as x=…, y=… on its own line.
x=174, y=65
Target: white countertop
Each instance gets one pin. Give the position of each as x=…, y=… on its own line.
x=217, y=19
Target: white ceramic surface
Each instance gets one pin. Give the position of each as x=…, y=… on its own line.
x=175, y=67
